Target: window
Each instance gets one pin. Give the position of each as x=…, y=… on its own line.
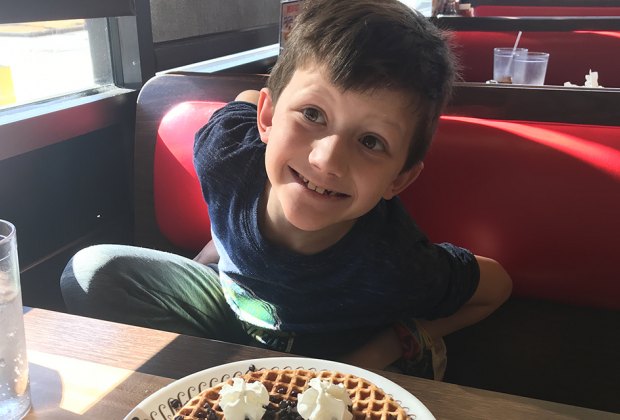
x=57, y=55
x=68, y=68
x=42, y=60
x=422, y=6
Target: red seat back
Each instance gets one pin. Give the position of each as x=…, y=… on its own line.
x=541, y=198
x=180, y=208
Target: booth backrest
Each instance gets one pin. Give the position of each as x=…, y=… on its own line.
x=174, y=178
x=541, y=198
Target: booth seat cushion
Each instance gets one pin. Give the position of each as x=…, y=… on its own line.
x=571, y=54
x=180, y=209
x=541, y=198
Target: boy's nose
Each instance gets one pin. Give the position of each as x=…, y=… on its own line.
x=329, y=155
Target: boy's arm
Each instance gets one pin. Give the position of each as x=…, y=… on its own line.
x=208, y=254
x=493, y=289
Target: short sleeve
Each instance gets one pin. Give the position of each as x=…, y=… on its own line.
x=226, y=147
x=457, y=280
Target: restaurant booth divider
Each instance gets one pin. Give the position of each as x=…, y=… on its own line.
x=489, y=10
x=576, y=44
x=572, y=54
x=533, y=186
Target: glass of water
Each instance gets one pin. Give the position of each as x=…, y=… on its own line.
x=14, y=382
x=530, y=68
x=503, y=63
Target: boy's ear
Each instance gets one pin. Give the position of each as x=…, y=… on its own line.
x=403, y=180
x=265, y=114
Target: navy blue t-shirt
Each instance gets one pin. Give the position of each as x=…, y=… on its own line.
x=383, y=270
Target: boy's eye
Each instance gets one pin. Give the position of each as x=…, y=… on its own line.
x=314, y=115
x=372, y=142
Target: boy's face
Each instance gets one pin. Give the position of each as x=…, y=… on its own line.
x=332, y=155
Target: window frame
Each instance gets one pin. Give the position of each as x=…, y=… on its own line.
x=31, y=126
x=36, y=10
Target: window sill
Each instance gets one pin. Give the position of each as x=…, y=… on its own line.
x=30, y=127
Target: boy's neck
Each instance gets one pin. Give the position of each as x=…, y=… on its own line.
x=274, y=226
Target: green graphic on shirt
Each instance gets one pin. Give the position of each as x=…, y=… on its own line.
x=258, y=312
x=250, y=308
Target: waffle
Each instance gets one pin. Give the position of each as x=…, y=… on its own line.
x=369, y=401
x=283, y=385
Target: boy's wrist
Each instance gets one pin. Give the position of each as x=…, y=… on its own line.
x=413, y=339
x=406, y=340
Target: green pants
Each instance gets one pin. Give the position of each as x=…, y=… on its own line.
x=155, y=289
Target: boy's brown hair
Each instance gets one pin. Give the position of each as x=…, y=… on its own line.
x=373, y=44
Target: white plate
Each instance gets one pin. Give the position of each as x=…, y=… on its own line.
x=157, y=406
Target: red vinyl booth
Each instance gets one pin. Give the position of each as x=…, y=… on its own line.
x=541, y=198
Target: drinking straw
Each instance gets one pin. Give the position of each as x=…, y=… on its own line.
x=514, y=50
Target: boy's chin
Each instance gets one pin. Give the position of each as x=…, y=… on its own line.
x=316, y=225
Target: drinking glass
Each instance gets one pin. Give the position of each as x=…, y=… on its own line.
x=14, y=382
x=503, y=63
x=530, y=68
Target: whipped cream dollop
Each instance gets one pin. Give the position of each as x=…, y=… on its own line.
x=324, y=401
x=242, y=400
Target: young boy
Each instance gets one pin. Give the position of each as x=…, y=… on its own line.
x=316, y=254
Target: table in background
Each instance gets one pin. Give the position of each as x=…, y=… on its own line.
x=87, y=368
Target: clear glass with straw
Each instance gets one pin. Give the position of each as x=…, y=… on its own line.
x=503, y=61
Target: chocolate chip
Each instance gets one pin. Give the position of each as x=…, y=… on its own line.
x=174, y=403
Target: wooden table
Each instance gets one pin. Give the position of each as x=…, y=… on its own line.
x=86, y=368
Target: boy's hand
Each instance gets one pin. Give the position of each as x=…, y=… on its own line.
x=208, y=254
x=494, y=288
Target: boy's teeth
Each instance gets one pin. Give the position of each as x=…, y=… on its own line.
x=316, y=188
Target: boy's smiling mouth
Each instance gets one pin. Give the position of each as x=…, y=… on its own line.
x=317, y=189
